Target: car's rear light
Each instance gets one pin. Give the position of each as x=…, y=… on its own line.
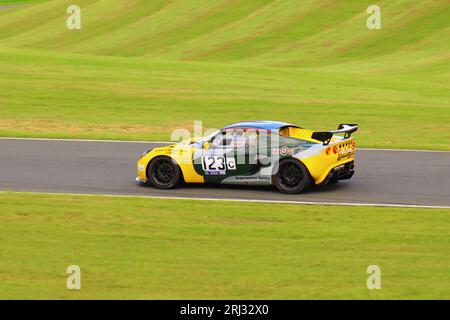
x=335, y=149
x=354, y=143
x=328, y=151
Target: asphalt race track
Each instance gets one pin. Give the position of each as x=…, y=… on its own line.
x=382, y=177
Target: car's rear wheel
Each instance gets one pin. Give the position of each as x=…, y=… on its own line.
x=291, y=176
x=164, y=173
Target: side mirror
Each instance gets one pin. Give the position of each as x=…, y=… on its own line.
x=206, y=145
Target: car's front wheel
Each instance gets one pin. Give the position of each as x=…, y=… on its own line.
x=291, y=176
x=164, y=173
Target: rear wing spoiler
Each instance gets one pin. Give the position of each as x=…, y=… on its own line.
x=325, y=136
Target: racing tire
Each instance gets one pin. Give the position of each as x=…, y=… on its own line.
x=164, y=173
x=291, y=176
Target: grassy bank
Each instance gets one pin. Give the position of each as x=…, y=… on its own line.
x=72, y=96
x=139, y=69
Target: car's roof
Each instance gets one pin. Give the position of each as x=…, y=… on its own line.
x=262, y=124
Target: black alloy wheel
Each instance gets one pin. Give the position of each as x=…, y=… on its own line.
x=164, y=173
x=291, y=176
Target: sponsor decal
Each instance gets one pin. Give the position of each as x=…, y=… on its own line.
x=167, y=150
x=283, y=151
x=215, y=173
x=345, y=153
x=265, y=178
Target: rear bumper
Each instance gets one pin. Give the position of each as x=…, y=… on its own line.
x=342, y=172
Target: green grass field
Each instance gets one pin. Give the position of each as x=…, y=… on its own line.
x=160, y=249
x=139, y=69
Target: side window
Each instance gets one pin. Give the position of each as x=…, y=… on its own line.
x=221, y=140
x=251, y=138
x=244, y=138
x=239, y=138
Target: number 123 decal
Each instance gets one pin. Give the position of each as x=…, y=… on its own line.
x=218, y=164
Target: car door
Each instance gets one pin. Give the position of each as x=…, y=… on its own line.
x=232, y=156
x=211, y=160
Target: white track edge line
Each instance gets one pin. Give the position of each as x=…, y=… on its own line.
x=82, y=140
x=164, y=142
x=356, y=204
x=402, y=150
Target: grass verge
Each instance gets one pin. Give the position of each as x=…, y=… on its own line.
x=137, y=248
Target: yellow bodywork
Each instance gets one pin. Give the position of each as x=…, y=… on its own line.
x=320, y=165
x=302, y=134
x=180, y=153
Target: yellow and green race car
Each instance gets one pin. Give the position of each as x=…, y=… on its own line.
x=254, y=153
